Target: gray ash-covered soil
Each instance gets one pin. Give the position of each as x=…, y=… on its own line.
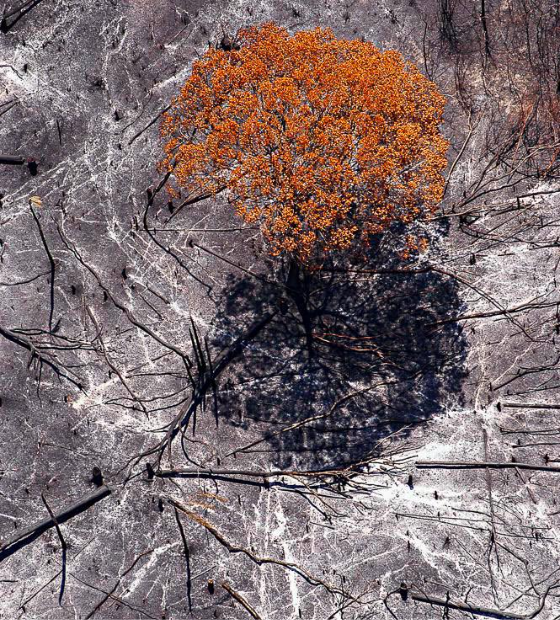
x=103, y=286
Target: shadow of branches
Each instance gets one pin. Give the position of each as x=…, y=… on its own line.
x=373, y=339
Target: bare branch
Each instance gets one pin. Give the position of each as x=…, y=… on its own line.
x=241, y=600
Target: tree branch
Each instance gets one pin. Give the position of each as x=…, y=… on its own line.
x=29, y=534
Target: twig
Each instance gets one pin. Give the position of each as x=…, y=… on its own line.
x=112, y=596
x=459, y=155
x=187, y=557
x=30, y=598
x=488, y=477
x=153, y=237
x=522, y=478
x=111, y=365
x=6, y=110
x=109, y=595
x=205, y=383
x=194, y=200
x=124, y=309
x=27, y=344
x=28, y=281
x=310, y=419
x=525, y=307
x=51, y=263
x=229, y=262
x=137, y=135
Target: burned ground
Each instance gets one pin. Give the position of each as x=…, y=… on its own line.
x=296, y=489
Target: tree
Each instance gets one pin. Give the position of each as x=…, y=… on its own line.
x=321, y=142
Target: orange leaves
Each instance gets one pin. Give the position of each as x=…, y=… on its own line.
x=319, y=140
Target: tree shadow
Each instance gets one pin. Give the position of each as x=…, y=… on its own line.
x=376, y=338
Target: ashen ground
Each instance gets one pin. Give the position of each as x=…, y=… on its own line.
x=90, y=80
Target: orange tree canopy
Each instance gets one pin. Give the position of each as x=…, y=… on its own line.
x=319, y=141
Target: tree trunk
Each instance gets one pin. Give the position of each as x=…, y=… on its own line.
x=297, y=290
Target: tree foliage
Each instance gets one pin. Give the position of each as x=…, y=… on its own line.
x=319, y=141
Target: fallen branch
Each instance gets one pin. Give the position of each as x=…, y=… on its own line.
x=240, y=600
x=315, y=581
x=12, y=160
x=483, y=465
x=333, y=479
x=480, y=611
x=204, y=384
x=274, y=473
x=63, y=545
x=27, y=535
x=42, y=359
x=10, y=19
x=529, y=406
